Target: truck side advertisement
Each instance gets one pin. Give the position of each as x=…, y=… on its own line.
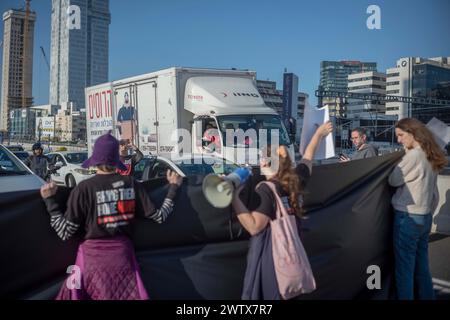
x=99, y=112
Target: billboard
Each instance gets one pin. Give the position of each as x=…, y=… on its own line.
x=45, y=128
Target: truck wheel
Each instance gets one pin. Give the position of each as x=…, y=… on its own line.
x=70, y=181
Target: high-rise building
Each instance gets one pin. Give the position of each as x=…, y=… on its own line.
x=17, y=65
x=334, y=77
x=366, y=82
x=420, y=78
x=79, y=56
x=290, y=95
x=273, y=98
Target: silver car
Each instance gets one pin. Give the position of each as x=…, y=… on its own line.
x=14, y=175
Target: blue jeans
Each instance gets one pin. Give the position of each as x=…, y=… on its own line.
x=412, y=272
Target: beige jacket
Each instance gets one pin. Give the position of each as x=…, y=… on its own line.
x=416, y=184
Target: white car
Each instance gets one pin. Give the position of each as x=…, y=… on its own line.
x=16, y=176
x=66, y=167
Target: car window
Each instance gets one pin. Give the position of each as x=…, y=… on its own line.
x=159, y=170
x=51, y=158
x=22, y=155
x=59, y=158
x=76, y=158
x=223, y=167
x=15, y=148
x=190, y=169
x=140, y=167
x=9, y=165
x=217, y=166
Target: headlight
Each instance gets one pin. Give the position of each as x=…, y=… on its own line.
x=83, y=171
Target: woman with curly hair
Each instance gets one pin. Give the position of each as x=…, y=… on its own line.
x=414, y=201
x=277, y=166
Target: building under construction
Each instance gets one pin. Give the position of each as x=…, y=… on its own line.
x=17, y=73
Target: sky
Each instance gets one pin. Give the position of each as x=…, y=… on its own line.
x=260, y=35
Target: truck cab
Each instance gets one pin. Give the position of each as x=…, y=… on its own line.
x=230, y=119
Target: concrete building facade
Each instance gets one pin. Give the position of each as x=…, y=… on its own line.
x=17, y=66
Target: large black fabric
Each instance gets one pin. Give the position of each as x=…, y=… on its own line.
x=199, y=254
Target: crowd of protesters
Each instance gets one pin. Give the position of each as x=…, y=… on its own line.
x=101, y=209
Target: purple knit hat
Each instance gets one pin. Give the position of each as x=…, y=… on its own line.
x=106, y=151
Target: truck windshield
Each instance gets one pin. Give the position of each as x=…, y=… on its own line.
x=258, y=121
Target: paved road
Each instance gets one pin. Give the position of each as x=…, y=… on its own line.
x=439, y=254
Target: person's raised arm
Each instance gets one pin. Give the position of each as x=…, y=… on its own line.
x=321, y=132
x=161, y=214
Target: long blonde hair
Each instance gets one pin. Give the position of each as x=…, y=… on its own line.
x=425, y=138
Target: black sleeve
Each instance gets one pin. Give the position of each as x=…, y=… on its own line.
x=146, y=208
x=66, y=224
x=303, y=173
x=267, y=201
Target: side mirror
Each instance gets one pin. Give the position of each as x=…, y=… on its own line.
x=59, y=164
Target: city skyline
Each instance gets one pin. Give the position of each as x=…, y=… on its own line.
x=265, y=36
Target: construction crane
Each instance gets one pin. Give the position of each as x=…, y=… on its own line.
x=45, y=58
x=24, y=52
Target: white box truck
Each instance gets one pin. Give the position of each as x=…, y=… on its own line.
x=150, y=110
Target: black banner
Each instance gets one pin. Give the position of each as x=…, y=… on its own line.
x=200, y=251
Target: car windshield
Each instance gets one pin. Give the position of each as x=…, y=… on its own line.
x=9, y=165
x=256, y=122
x=15, y=148
x=207, y=166
x=76, y=157
x=22, y=155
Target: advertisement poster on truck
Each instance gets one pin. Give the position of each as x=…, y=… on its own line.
x=99, y=112
x=126, y=120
